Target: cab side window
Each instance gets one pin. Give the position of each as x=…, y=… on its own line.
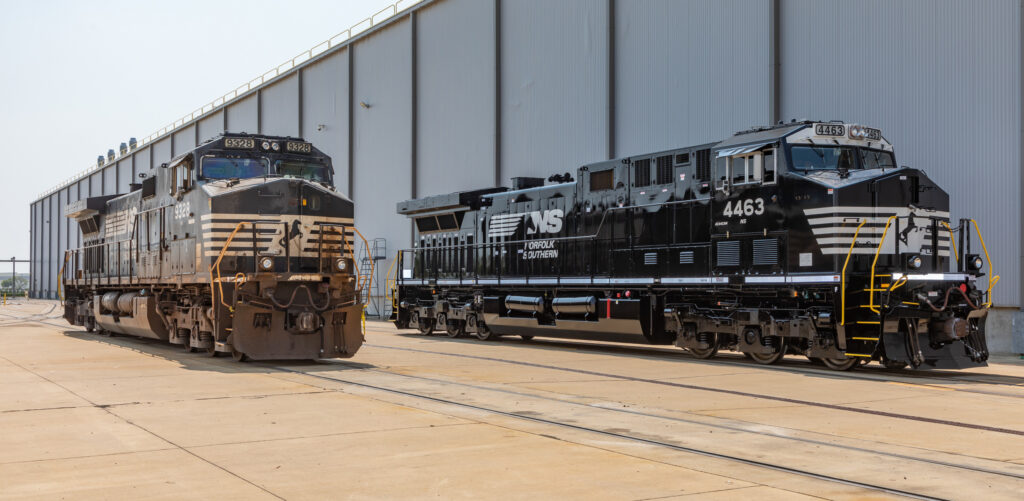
x=768, y=176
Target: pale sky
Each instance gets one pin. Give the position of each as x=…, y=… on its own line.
x=78, y=78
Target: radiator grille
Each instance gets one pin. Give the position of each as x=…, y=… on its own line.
x=650, y=258
x=642, y=172
x=665, y=169
x=704, y=165
x=766, y=252
x=728, y=253
x=686, y=257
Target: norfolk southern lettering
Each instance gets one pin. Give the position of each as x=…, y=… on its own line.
x=802, y=238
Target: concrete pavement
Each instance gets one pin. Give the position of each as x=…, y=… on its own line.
x=86, y=416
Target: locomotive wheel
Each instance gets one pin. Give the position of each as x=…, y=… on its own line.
x=90, y=324
x=212, y=350
x=705, y=353
x=425, y=326
x=456, y=328
x=840, y=364
x=483, y=333
x=768, y=358
x=238, y=356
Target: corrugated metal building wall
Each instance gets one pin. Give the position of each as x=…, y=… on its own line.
x=459, y=94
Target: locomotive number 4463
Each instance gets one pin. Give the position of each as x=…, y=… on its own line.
x=748, y=207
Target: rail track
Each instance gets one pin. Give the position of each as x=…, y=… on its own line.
x=655, y=353
x=791, y=364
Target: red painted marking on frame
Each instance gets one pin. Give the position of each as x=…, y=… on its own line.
x=608, y=308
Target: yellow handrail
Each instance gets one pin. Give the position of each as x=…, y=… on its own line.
x=992, y=277
x=871, y=287
x=952, y=241
x=842, y=292
x=216, y=265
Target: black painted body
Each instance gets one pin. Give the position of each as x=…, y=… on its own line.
x=671, y=251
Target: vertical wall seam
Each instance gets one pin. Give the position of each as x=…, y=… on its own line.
x=498, y=92
x=611, y=152
x=1020, y=145
x=298, y=78
x=259, y=110
x=413, y=113
x=775, y=66
x=351, y=122
x=414, y=105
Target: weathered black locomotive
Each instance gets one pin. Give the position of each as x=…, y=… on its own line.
x=241, y=245
x=802, y=238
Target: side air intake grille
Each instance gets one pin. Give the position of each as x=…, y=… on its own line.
x=728, y=253
x=650, y=258
x=766, y=252
x=704, y=165
x=665, y=169
x=686, y=257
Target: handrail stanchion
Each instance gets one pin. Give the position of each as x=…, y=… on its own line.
x=871, y=287
x=842, y=290
x=993, y=279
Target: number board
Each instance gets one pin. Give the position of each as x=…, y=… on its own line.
x=239, y=142
x=830, y=129
x=873, y=134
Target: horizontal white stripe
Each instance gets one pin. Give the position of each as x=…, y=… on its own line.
x=803, y=279
x=867, y=251
x=957, y=277
x=862, y=210
x=576, y=280
x=866, y=230
x=765, y=280
x=623, y=281
x=686, y=280
x=889, y=239
x=854, y=221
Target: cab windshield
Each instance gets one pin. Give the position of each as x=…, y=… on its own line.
x=233, y=168
x=875, y=159
x=810, y=158
x=300, y=169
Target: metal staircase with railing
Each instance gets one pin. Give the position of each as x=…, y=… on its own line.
x=865, y=299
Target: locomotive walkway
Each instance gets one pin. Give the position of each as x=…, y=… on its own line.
x=87, y=416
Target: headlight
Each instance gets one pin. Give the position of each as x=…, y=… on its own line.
x=914, y=262
x=275, y=146
x=340, y=265
x=266, y=263
x=975, y=262
x=266, y=145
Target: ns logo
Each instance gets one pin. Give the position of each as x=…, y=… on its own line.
x=505, y=225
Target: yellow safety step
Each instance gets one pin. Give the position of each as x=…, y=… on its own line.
x=865, y=339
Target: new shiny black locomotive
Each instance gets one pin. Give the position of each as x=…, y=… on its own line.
x=804, y=238
x=241, y=245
